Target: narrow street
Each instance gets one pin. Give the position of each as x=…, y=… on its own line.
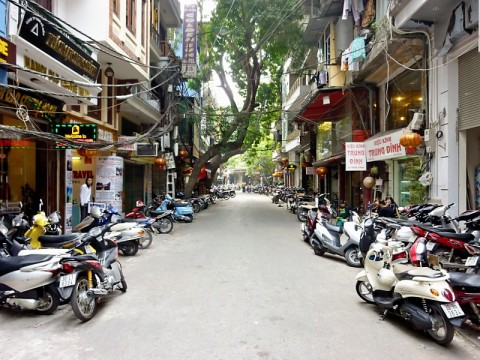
x=237, y=283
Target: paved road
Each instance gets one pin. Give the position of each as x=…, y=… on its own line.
x=238, y=283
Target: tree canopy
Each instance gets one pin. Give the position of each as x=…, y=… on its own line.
x=256, y=38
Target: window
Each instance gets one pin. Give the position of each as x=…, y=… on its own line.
x=404, y=99
x=144, y=22
x=131, y=15
x=116, y=7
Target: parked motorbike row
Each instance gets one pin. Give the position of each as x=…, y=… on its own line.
x=424, y=269
x=40, y=268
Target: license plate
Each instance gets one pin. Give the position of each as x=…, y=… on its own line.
x=452, y=310
x=67, y=280
x=472, y=261
x=430, y=245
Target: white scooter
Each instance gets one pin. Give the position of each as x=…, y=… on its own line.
x=420, y=295
x=28, y=282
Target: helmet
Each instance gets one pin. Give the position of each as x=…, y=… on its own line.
x=139, y=203
x=54, y=217
x=95, y=212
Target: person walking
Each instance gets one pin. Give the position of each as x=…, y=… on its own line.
x=85, y=196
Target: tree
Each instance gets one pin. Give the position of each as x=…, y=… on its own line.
x=256, y=38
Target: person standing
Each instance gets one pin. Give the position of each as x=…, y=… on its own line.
x=85, y=196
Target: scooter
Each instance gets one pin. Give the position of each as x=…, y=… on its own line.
x=87, y=278
x=28, y=282
x=182, y=211
x=326, y=238
x=420, y=295
x=131, y=235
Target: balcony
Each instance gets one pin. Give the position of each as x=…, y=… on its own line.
x=143, y=107
x=297, y=94
x=316, y=15
x=160, y=49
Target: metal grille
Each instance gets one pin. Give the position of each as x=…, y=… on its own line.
x=469, y=90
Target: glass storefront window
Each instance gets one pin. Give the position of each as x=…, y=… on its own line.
x=404, y=99
x=410, y=189
x=331, y=137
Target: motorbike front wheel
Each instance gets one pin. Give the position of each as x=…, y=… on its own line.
x=129, y=248
x=83, y=306
x=442, y=330
x=364, y=290
x=188, y=218
x=302, y=215
x=352, y=257
x=164, y=225
x=49, y=301
x=196, y=208
x=146, y=239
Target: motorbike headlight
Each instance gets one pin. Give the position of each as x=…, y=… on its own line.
x=96, y=231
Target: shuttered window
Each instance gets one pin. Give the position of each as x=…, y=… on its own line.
x=469, y=90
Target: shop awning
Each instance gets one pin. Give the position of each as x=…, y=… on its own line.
x=325, y=101
x=330, y=160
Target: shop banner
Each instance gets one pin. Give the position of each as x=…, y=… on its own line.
x=355, y=157
x=386, y=146
x=109, y=181
x=68, y=191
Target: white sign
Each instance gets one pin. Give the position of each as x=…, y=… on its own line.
x=127, y=147
x=355, y=157
x=109, y=181
x=385, y=147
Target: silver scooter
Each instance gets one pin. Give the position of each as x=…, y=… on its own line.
x=326, y=238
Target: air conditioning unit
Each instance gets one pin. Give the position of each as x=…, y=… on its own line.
x=147, y=149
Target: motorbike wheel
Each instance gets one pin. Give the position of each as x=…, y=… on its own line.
x=49, y=301
x=164, y=225
x=233, y=194
x=302, y=215
x=189, y=218
x=129, y=248
x=352, y=257
x=196, y=208
x=364, y=290
x=84, y=307
x=123, y=283
x=226, y=196
x=146, y=240
x=442, y=331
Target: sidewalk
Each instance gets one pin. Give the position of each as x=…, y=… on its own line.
x=469, y=334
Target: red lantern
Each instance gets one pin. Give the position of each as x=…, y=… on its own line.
x=160, y=162
x=90, y=153
x=410, y=140
x=81, y=152
x=322, y=171
x=182, y=153
x=159, y=167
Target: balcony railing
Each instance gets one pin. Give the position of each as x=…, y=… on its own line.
x=142, y=93
x=299, y=82
x=162, y=44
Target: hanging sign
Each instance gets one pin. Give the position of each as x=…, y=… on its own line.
x=385, y=147
x=355, y=157
x=85, y=133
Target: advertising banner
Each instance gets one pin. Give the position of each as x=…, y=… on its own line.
x=189, y=58
x=68, y=191
x=109, y=181
x=386, y=146
x=355, y=157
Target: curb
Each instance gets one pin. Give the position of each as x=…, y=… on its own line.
x=470, y=335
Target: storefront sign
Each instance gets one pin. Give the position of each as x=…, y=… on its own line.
x=189, y=58
x=85, y=133
x=127, y=147
x=8, y=52
x=47, y=38
x=355, y=157
x=68, y=191
x=386, y=146
x=45, y=106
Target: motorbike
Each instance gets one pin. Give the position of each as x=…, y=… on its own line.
x=182, y=211
x=43, y=225
x=131, y=234
x=159, y=224
x=326, y=238
x=29, y=282
x=84, y=279
x=420, y=295
x=322, y=204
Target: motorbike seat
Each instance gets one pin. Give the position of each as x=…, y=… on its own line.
x=461, y=237
x=58, y=240
x=435, y=229
x=469, y=281
x=408, y=272
x=9, y=264
x=334, y=228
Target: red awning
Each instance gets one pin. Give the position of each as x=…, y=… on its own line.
x=325, y=102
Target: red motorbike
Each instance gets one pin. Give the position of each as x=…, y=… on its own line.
x=138, y=211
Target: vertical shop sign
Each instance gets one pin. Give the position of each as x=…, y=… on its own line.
x=189, y=58
x=68, y=191
x=355, y=156
x=109, y=181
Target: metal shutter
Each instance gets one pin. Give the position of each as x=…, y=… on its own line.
x=469, y=90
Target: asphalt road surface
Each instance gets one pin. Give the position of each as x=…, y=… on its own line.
x=237, y=283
